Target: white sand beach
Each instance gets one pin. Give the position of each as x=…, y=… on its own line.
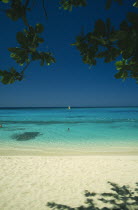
x=29, y=182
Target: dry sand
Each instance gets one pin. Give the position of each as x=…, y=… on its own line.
x=29, y=182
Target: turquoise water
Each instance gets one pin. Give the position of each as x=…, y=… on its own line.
x=60, y=127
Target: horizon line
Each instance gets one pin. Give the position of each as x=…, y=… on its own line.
x=27, y=107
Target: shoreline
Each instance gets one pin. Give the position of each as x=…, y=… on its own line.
x=52, y=151
x=23, y=149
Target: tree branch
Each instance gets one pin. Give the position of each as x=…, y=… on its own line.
x=25, y=67
x=26, y=3
x=24, y=18
x=33, y=4
x=43, y=4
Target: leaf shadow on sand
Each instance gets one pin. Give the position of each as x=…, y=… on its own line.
x=119, y=198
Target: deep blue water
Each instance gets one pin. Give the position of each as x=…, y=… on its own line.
x=76, y=127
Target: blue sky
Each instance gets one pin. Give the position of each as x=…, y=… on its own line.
x=69, y=81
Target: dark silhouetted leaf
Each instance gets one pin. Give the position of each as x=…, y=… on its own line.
x=39, y=28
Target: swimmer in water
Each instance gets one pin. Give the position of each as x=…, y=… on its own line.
x=0, y=126
x=68, y=129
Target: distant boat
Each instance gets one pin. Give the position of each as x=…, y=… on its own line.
x=69, y=107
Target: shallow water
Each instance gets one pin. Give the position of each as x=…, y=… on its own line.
x=77, y=127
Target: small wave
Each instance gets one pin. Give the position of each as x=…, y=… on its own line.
x=98, y=121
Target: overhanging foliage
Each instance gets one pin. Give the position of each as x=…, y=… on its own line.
x=106, y=42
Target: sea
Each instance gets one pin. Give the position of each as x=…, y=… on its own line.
x=75, y=128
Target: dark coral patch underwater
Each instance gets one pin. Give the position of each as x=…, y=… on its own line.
x=25, y=136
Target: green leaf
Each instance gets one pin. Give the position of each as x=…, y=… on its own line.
x=32, y=49
x=113, y=37
x=132, y=17
x=120, y=35
x=40, y=40
x=21, y=38
x=100, y=28
x=124, y=26
x=13, y=49
x=127, y=53
x=5, y=1
x=39, y=28
x=119, y=64
x=12, y=70
x=10, y=13
x=35, y=56
x=119, y=75
x=108, y=4
x=102, y=54
x=9, y=77
x=135, y=4
x=108, y=58
x=16, y=11
x=120, y=2
x=68, y=4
